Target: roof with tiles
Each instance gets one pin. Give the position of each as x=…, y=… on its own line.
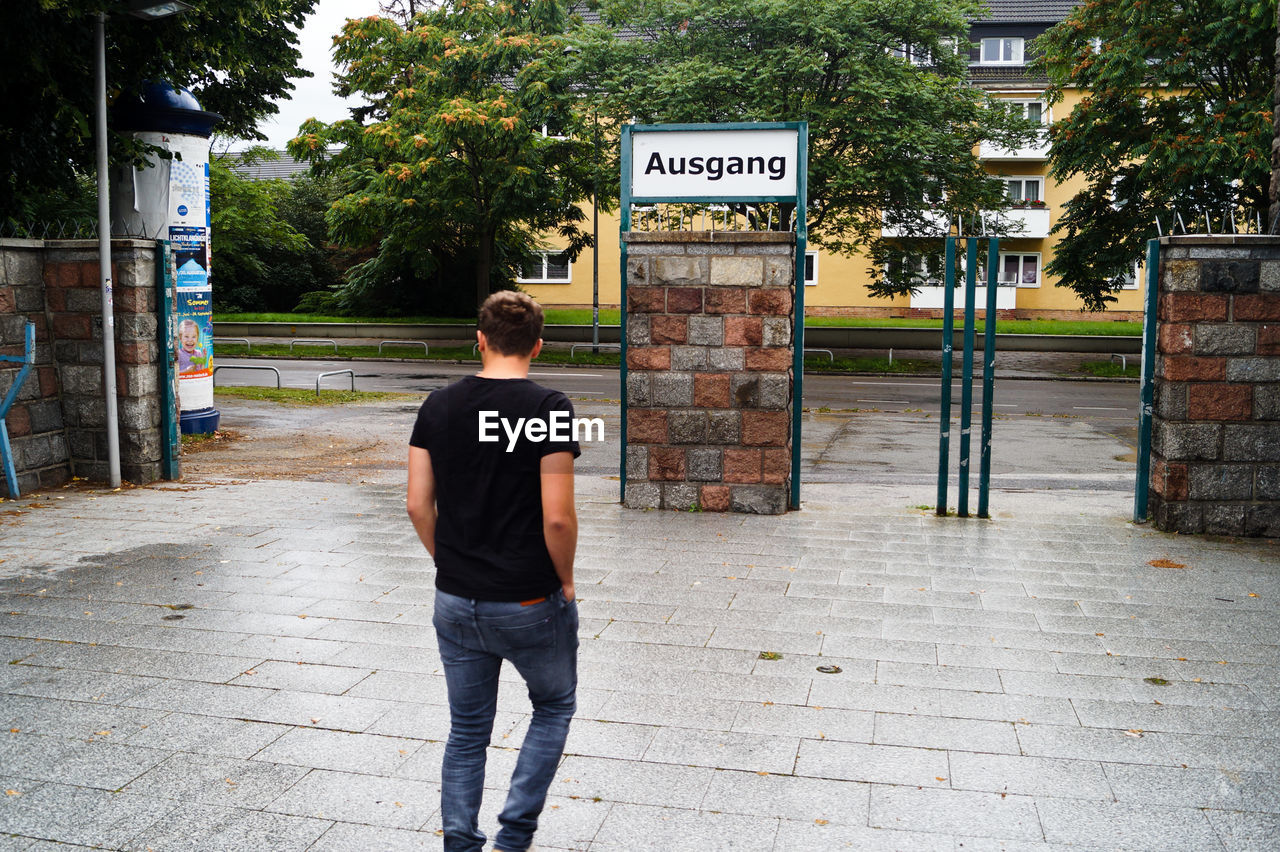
x=1026, y=11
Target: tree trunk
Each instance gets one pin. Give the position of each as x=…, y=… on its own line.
x=484, y=265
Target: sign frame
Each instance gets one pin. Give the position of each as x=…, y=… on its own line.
x=800, y=198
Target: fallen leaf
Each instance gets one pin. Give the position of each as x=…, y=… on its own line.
x=12, y=793
x=939, y=778
x=763, y=772
x=820, y=822
x=1165, y=563
x=1253, y=594
x=14, y=731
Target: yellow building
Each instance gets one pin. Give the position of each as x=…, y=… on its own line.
x=836, y=285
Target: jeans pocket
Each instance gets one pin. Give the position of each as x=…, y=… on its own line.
x=536, y=634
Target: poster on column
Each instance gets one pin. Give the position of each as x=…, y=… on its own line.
x=194, y=319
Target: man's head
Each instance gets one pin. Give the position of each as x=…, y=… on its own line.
x=511, y=323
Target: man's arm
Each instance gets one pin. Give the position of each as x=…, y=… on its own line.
x=559, y=517
x=422, y=497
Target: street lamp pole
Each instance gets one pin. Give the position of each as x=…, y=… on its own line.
x=104, y=262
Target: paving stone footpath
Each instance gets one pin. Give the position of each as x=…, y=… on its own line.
x=248, y=664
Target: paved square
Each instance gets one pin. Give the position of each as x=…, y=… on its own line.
x=235, y=663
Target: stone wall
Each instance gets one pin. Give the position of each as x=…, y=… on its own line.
x=1215, y=465
x=709, y=336
x=57, y=427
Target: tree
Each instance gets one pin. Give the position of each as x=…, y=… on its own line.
x=472, y=145
x=248, y=232
x=235, y=55
x=1175, y=119
x=889, y=137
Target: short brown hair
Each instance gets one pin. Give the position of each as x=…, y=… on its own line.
x=511, y=322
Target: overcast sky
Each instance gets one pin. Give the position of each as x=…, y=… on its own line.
x=313, y=96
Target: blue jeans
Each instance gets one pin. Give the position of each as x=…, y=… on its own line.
x=541, y=640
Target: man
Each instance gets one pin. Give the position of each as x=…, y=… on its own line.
x=493, y=505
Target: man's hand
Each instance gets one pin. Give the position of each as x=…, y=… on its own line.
x=569, y=594
x=421, y=497
x=559, y=516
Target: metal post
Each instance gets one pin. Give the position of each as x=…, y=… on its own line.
x=595, y=236
x=944, y=425
x=966, y=374
x=797, y=307
x=595, y=274
x=104, y=261
x=988, y=376
x=1140, y=492
x=624, y=225
x=170, y=441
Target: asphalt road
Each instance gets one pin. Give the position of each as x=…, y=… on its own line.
x=1048, y=433
x=1111, y=405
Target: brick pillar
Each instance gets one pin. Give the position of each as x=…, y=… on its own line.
x=1215, y=464
x=58, y=426
x=709, y=335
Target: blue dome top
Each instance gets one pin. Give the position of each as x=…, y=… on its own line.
x=164, y=109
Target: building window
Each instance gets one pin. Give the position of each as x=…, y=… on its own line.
x=810, y=268
x=926, y=271
x=1002, y=51
x=1025, y=191
x=1021, y=270
x=1128, y=280
x=1034, y=111
x=913, y=54
x=547, y=268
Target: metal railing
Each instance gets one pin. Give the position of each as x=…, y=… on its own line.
x=421, y=343
x=247, y=346
x=336, y=373
x=573, y=350
x=245, y=367
x=313, y=341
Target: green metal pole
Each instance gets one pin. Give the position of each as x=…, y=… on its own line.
x=988, y=376
x=797, y=362
x=171, y=447
x=624, y=215
x=944, y=426
x=966, y=373
x=1143, y=484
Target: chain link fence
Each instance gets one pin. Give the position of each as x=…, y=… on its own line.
x=70, y=228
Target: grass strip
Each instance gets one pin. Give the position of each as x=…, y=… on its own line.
x=582, y=316
x=302, y=396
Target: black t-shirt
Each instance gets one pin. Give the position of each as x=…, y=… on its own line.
x=489, y=539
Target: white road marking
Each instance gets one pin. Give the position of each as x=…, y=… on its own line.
x=571, y=375
x=1097, y=408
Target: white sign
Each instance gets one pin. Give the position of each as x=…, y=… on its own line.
x=714, y=163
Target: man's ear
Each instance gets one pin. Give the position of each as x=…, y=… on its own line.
x=481, y=342
x=537, y=347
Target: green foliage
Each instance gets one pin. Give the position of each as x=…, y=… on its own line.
x=252, y=240
x=449, y=168
x=1176, y=117
x=885, y=135
x=235, y=55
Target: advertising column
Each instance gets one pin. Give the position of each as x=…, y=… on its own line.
x=169, y=200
